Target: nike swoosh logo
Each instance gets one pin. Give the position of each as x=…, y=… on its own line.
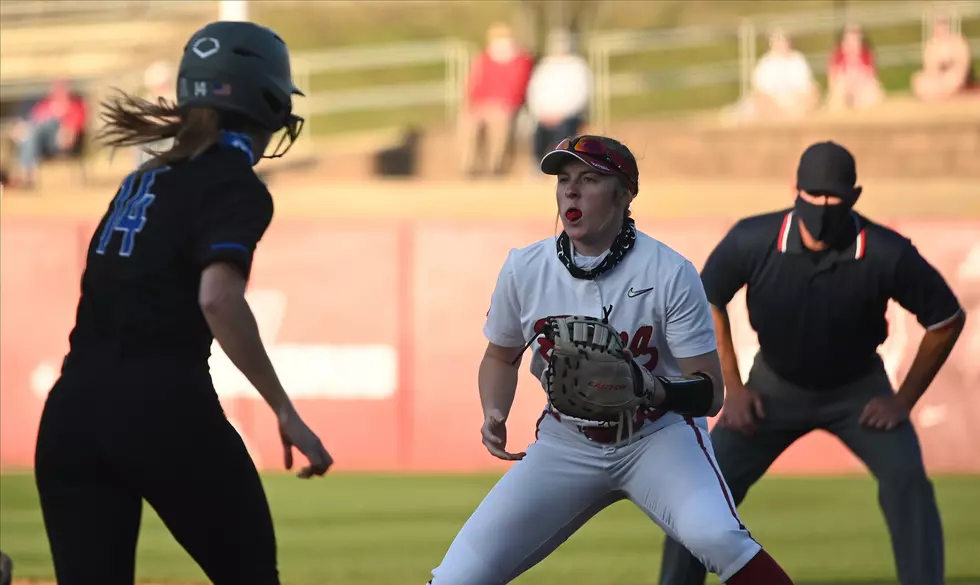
x=635, y=293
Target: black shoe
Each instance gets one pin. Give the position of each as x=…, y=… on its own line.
x=6, y=569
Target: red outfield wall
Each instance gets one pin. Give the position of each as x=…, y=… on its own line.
x=376, y=331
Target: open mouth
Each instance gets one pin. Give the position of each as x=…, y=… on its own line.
x=573, y=214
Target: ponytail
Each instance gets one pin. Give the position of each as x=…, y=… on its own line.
x=134, y=121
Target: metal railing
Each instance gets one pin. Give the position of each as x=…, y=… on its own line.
x=732, y=67
x=446, y=91
x=87, y=41
x=744, y=38
x=604, y=47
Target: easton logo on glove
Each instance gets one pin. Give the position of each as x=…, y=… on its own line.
x=606, y=386
x=589, y=376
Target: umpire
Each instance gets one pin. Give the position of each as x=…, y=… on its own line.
x=819, y=277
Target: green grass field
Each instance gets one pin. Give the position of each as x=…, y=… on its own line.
x=378, y=530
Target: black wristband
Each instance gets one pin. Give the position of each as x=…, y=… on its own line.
x=691, y=395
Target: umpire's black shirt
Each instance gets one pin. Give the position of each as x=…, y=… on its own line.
x=820, y=316
x=142, y=276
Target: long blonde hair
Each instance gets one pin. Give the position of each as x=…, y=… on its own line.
x=134, y=121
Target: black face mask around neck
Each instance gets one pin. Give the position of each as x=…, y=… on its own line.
x=621, y=246
x=824, y=222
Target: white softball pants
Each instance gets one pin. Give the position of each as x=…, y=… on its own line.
x=565, y=479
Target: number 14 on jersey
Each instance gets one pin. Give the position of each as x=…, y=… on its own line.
x=129, y=211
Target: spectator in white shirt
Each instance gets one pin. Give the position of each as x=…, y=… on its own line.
x=782, y=82
x=947, y=67
x=558, y=94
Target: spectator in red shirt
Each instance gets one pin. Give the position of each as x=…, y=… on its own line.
x=53, y=125
x=851, y=74
x=496, y=87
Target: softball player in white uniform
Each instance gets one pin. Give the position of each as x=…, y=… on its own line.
x=601, y=266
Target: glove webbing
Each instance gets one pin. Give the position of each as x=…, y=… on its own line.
x=606, y=311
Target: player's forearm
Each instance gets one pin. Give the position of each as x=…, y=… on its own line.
x=233, y=326
x=933, y=351
x=700, y=392
x=713, y=371
x=498, y=384
x=726, y=348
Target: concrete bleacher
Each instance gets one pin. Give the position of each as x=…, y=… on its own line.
x=902, y=138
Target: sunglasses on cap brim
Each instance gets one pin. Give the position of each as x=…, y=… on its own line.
x=598, y=151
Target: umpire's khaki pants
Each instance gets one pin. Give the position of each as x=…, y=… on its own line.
x=496, y=122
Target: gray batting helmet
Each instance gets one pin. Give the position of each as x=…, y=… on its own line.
x=241, y=67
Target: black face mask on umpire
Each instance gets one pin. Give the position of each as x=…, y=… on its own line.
x=826, y=169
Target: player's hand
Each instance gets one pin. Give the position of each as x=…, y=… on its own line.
x=884, y=413
x=742, y=411
x=494, y=433
x=294, y=433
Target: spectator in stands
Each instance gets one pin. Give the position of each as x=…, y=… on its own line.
x=946, y=65
x=852, y=78
x=496, y=89
x=558, y=94
x=52, y=126
x=782, y=83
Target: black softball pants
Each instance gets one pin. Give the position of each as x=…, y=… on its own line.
x=115, y=434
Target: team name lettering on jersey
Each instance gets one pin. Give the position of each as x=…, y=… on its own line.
x=640, y=344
